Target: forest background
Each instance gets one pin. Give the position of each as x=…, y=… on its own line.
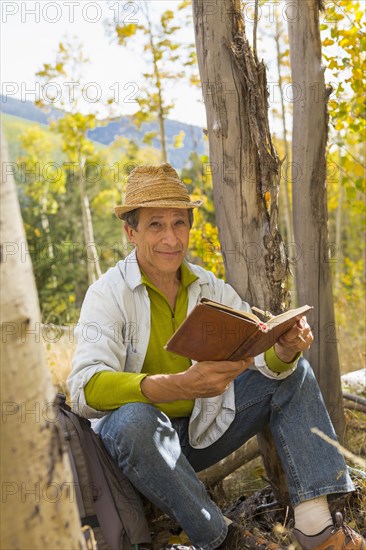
x=68, y=181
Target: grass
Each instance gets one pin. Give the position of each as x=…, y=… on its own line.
x=58, y=358
x=351, y=345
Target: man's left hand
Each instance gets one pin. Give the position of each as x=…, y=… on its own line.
x=296, y=339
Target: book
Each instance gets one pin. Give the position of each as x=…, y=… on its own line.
x=216, y=332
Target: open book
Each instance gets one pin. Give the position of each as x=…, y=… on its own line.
x=215, y=332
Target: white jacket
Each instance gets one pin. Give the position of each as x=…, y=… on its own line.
x=113, y=334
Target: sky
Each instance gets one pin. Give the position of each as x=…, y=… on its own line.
x=32, y=30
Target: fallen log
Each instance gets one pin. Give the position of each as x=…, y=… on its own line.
x=354, y=402
x=356, y=398
x=354, y=406
x=214, y=474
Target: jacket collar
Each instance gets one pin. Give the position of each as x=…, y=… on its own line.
x=130, y=270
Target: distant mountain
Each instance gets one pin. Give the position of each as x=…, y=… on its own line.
x=26, y=109
x=193, y=140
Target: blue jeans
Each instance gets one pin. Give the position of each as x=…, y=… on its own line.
x=154, y=451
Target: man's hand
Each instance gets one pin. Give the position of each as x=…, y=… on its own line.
x=203, y=379
x=298, y=338
x=210, y=378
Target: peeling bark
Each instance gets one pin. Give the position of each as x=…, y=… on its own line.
x=244, y=164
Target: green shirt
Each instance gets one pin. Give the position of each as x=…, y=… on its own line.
x=164, y=322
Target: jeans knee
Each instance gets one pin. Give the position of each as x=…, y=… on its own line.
x=306, y=384
x=137, y=432
x=297, y=391
x=304, y=370
x=131, y=422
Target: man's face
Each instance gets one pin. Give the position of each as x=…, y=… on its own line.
x=161, y=239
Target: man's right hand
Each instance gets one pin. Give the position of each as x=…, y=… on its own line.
x=203, y=379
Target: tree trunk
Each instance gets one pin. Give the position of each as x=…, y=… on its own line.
x=244, y=164
x=164, y=155
x=161, y=116
x=38, y=508
x=314, y=283
x=285, y=195
x=339, y=225
x=91, y=252
x=46, y=228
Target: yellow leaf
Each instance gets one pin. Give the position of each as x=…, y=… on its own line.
x=268, y=200
x=179, y=539
x=344, y=42
x=333, y=64
x=357, y=73
x=359, y=170
x=359, y=15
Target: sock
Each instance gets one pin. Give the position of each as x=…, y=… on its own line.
x=313, y=516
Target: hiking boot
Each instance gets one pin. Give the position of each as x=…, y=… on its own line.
x=238, y=538
x=178, y=547
x=340, y=537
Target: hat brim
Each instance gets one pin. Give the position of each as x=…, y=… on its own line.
x=120, y=210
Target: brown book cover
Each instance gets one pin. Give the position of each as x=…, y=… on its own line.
x=215, y=332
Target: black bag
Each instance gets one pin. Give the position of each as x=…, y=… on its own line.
x=107, y=501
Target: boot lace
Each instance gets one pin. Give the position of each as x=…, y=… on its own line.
x=348, y=533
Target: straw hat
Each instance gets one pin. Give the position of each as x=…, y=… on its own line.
x=155, y=187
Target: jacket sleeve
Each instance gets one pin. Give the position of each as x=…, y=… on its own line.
x=101, y=344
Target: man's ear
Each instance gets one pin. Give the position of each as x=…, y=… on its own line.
x=130, y=232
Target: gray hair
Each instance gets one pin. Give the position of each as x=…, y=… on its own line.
x=132, y=217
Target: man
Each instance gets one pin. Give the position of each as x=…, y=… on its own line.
x=165, y=418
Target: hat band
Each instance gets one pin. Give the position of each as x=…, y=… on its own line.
x=152, y=193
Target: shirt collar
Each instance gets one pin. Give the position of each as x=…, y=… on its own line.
x=187, y=277
x=130, y=270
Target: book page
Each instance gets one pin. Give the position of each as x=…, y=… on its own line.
x=237, y=312
x=282, y=317
x=275, y=320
